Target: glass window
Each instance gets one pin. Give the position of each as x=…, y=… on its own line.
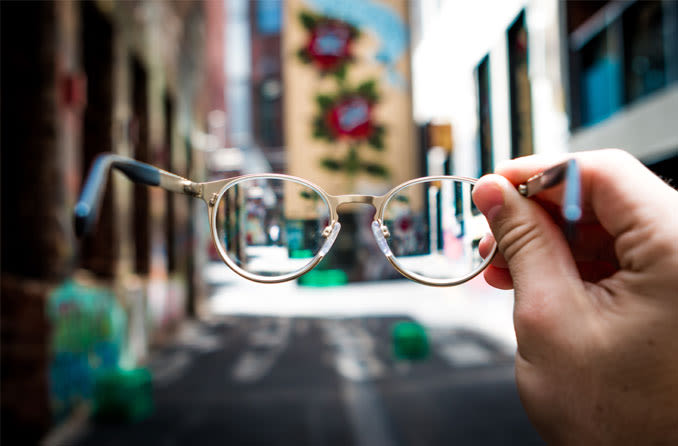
x=644, y=66
x=601, y=78
x=269, y=16
x=519, y=89
x=619, y=53
x=482, y=73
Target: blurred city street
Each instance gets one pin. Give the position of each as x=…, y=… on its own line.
x=284, y=364
x=163, y=160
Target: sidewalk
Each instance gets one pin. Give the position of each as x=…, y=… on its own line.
x=473, y=305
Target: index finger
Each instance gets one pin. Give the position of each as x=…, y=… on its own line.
x=615, y=187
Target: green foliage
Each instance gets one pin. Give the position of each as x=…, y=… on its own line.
x=352, y=162
x=308, y=20
x=340, y=72
x=331, y=164
x=354, y=32
x=306, y=195
x=320, y=129
x=376, y=139
x=352, y=165
x=376, y=170
x=324, y=101
x=303, y=56
x=368, y=90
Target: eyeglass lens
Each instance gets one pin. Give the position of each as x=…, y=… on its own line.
x=270, y=226
x=434, y=229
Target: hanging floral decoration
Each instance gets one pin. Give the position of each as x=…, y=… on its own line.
x=329, y=43
x=347, y=116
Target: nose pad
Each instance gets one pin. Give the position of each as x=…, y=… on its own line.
x=379, y=230
x=331, y=233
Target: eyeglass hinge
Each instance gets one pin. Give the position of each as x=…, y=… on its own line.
x=385, y=231
x=327, y=231
x=194, y=189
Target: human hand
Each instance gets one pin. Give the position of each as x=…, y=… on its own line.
x=596, y=318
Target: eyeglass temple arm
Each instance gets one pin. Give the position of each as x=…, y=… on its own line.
x=87, y=209
x=567, y=171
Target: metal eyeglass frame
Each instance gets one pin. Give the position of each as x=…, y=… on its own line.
x=87, y=209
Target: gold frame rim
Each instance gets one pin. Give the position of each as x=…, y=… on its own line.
x=213, y=192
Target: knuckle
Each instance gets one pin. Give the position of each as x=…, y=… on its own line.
x=618, y=157
x=531, y=317
x=520, y=237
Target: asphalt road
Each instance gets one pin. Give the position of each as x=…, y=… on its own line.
x=307, y=381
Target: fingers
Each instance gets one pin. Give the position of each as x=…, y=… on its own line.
x=498, y=277
x=613, y=183
x=530, y=243
x=485, y=249
x=593, y=253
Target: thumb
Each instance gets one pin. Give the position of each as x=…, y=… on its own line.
x=538, y=256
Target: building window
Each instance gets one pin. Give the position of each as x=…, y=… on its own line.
x=482, y=75
x=171, y=231
x=140, y=143
x=100, y=250
x=269, y=16
x=519, y=89
x=619, y=52
x=268, y=113
x=644, y=52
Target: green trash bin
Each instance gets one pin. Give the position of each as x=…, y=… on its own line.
x=410, y=341
x=323, y=278
x=123, y=395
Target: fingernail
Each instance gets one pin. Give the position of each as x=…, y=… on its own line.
x=489, y=198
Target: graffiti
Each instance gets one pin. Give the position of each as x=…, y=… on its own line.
x=88, y=332
x=345, y=115
x=379, y=19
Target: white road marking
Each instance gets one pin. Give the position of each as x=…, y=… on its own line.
x=167, y=369
x=356, y=362
x=465, y=354
x=266, y=344
x=195, y=337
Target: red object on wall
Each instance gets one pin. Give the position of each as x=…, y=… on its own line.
x=73, y=91
x=351, y=118
x=329, y=45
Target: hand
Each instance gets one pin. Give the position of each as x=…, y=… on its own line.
x=596, y=318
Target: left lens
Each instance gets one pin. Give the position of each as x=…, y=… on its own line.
x=434, y=230
x=271, y=227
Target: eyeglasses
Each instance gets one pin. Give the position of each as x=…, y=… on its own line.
x=272, y=228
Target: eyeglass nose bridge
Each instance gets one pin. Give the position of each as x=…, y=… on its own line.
x=336, y=201
x=379, y=230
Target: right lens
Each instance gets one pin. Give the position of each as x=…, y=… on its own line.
x=434, y=230
x=271, y=227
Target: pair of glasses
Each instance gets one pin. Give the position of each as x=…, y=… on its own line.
x=272, y=228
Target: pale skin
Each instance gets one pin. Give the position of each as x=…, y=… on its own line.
x=596, y=318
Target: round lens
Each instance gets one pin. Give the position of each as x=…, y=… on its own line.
x=434, y=230
x=271, y=227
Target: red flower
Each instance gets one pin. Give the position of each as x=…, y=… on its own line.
x=404, y=223
x=351, y=117
x=330, y=45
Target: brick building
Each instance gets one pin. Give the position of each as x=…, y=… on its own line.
x=80, y=78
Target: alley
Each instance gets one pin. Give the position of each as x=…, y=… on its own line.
x=305, y=381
